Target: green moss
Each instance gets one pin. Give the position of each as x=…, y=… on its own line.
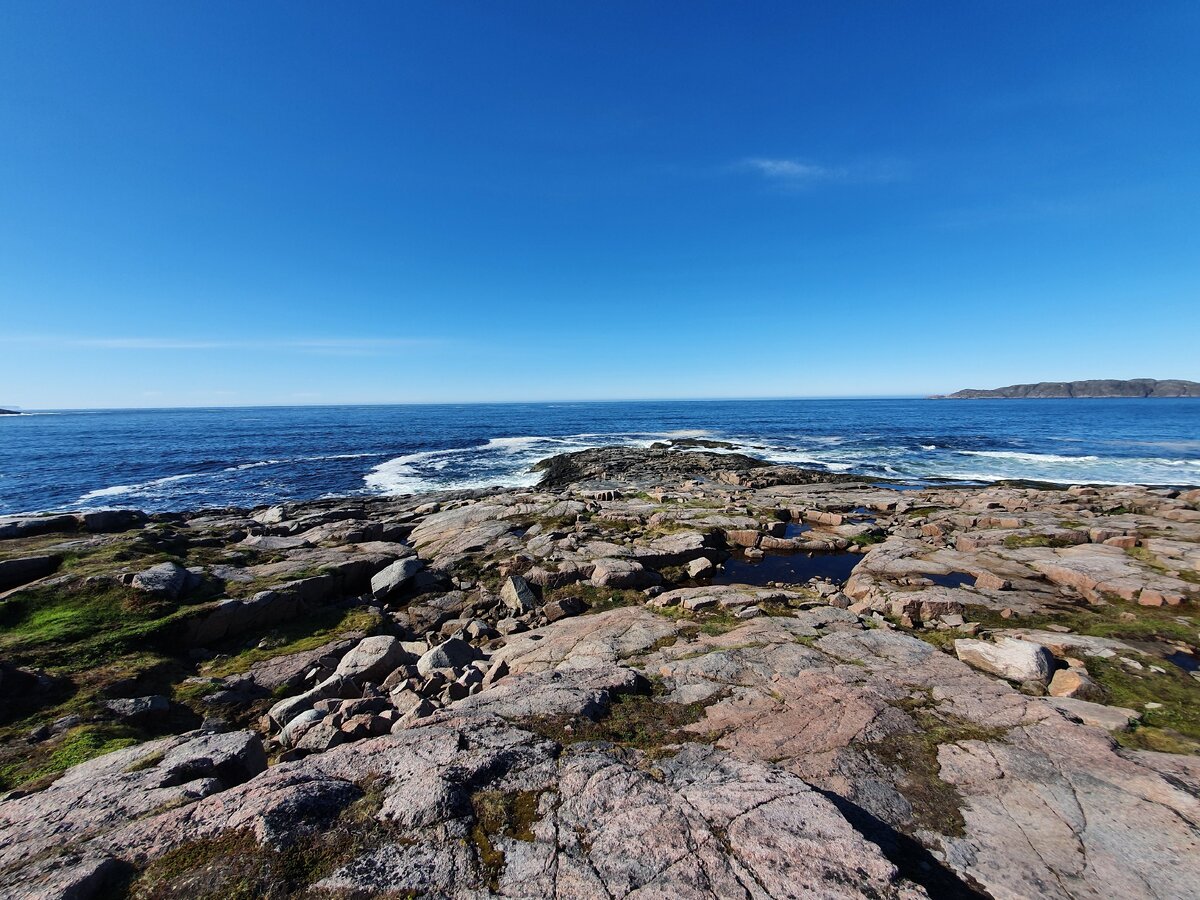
x=868, y=538
x=598, y=599
x=65, y=629
x=936, y=804
x=717, y=621
x=126, y=552
x=76, y=746
x=308, y=633
x=1022, y=541
x=1176, y=691
x=1116, y=619
x=510, y=814
x=149, y=761
x=644, y=722
x=943, y=640
x=235, y=865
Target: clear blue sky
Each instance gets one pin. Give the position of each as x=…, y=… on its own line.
x=237, y=203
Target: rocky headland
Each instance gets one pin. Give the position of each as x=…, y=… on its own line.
x=628, y=682
x=1095, y=389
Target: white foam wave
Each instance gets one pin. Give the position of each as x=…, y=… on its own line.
x=254, y=465
x=1028, y=457
x=337, y=456
x=118, y=490
x=499, y=462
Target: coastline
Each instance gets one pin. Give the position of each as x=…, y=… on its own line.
x=471, y=660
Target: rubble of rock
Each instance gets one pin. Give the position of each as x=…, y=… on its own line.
x=560, y=691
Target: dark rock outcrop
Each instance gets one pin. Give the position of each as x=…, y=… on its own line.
x=633, y=464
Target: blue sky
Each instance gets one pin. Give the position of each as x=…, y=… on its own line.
x=242, y=203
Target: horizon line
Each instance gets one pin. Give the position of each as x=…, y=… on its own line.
x=713, y=399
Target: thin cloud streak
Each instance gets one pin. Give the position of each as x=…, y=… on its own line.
x=792, y=169
x=805, y=173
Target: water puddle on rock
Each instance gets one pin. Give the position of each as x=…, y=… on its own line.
x=1185, y=661
x=795, y=529
x=952, y=580
x=791, y=568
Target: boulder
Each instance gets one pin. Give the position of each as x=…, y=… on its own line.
x=373, y=659
x=564, y=608
x=164, y=580
x=1110, y=718
x=987, y=581
x=518, y=595
x=1074, y=683
x=16, y=572
x=138, y=707
x=1010, y=658
x=623, y=573
x=394, y=578
x=452, y=654
x=106, y=520
x=295, y=729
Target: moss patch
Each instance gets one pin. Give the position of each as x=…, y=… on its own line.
x=510, y=814
x=936, y=804
x=39, y=766
x=1022, y=541
x=1175, y=726
x=598, y=599
x=868, y=538
x=323, y=626
x=1116, y=619
x=644, y=722
x=235, y=865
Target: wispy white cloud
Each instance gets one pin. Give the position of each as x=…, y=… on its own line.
x=806, y=173
x=332, y=346
x=792, y=170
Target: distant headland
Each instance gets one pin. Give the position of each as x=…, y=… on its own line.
x=1090, y=390
x=9, y=412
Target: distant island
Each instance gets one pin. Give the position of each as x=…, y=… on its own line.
x=1080, y=390
x=9, y=412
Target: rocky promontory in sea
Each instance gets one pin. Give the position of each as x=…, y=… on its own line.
x=9, y=412
x=664, y=673
x=1090, y=390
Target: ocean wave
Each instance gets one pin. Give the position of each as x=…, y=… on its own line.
x=1028, y=457
x=118, y=490
x=499, y=462
x=337, y=456
x=253, y=465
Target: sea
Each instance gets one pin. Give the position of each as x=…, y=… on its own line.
x=176, y=459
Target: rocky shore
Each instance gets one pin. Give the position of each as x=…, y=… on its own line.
x=637, y=680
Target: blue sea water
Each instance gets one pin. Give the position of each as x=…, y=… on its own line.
x=172, y=459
